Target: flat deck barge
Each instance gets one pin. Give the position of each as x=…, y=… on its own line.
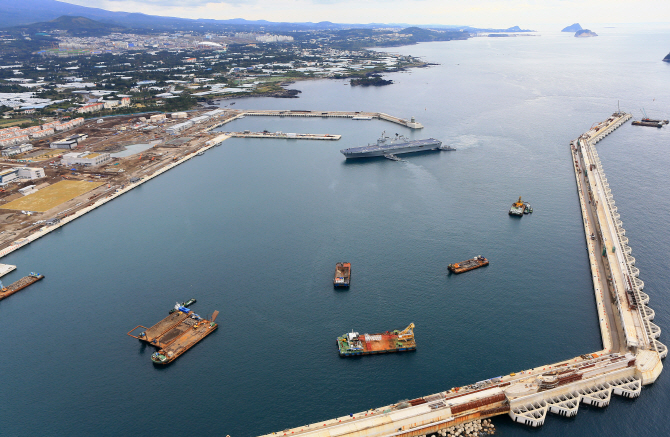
x=648, y=123
x=353, y=343
x=342, y=275
x=471, y=264
x=176, y=334
x=20, y=285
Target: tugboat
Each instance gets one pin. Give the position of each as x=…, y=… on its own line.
x=186, y=304
x=527, y=208
x=517, y=208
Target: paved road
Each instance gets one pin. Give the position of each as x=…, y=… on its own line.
x=607, y=300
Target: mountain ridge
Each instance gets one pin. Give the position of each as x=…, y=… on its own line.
x=19, y=12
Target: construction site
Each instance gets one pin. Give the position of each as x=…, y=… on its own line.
x=116, y=152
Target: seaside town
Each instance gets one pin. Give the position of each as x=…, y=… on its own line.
x=176, y=71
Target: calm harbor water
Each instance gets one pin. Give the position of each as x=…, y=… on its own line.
x=254, y=227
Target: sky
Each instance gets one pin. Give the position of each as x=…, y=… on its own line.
x=478, y=13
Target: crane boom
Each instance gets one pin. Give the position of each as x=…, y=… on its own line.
x=407, y=333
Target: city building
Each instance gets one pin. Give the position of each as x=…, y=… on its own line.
x=93, y=107
x=15, y=150
x=64, y=144
x=28, y=189
x=7, y=176
x=78, y=138
x=173, y=130
x=30, y=172
x=4, y=142
x=43, y=133
x=88, y=159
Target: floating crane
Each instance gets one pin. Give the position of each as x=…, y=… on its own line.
x=407, y=333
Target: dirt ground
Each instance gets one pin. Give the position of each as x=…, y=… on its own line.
x=52, y=196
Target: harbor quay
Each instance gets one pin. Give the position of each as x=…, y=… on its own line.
x=630, y=359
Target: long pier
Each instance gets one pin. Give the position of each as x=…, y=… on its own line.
x=285, y=136
x=630, y=358
x=240, y=113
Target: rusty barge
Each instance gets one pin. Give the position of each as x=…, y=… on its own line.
x=353, y=343
x=342, y=275
x=19, y=285
x=175, y=334
x=471, y=264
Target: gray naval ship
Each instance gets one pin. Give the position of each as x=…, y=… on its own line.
x=388, y=147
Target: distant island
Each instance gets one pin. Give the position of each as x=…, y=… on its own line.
x=667, y=58
x=572, y=28
x=373, y=80
x=584, y=33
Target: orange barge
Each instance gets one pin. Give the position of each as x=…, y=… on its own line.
x=353, y=343
x=342, y=275
x=19, y=285
x=471, y=264
x=176, y=334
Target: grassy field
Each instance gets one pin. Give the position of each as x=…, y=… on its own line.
x=11, y=122
x=52, y=196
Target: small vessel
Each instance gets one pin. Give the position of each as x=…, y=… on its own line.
x=186, y=304
x=342, y=275
x=200, y=153
x=471, y=264
x=517, y=208
x=353, y=343
x=651, y=120
x=392, y=146
x=648, y=123
x=527, y=208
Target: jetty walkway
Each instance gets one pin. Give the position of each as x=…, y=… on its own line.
x=285, y=136
x=240, y=113
x=630, y=358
